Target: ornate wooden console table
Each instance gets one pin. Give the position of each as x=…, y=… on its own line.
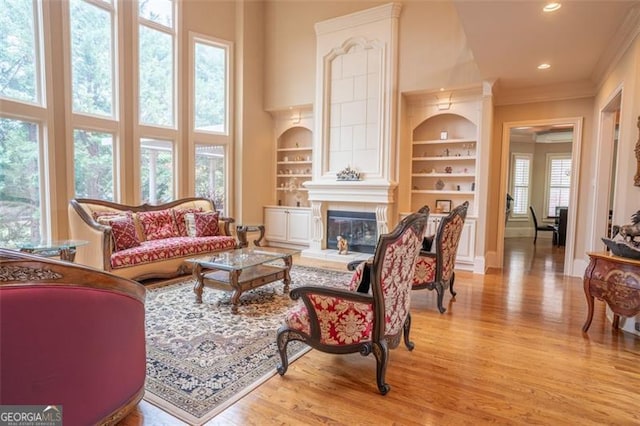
x=614, y=280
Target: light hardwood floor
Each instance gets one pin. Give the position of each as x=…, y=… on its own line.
x=509, y=350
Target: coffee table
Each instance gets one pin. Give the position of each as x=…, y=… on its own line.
x=238, y=271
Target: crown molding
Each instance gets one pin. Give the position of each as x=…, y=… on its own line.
x=386, y=11
x=617, y=46
x=554, y=92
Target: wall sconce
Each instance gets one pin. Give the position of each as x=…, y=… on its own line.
x=295, y=116
x=443, y=104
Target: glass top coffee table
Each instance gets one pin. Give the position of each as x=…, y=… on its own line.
x=66, y=249
x=238, y=271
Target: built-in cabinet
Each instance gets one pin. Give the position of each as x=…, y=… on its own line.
x=288, y=220
x=294, y=157
x=447, y=151
x=466, y=247
x=443, y=163
x=287, y=226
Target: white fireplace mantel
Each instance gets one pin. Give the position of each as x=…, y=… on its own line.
x=352, y=191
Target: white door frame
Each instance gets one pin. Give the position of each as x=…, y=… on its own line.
x=575, y=183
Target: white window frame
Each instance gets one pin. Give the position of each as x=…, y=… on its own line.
x=547, y=186
x=147, y=131
x=201, y=137
x=529, y=157
x=40, y=114
x=90, y=122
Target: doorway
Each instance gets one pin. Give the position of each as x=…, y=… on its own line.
x=545, y=132
x=606, y=161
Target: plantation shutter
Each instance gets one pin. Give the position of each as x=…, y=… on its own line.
x=521, y=183
x=559, y=184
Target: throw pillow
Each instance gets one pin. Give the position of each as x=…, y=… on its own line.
x=123, y=232
x=206, y=224
x=158, y=225
x=179, y=216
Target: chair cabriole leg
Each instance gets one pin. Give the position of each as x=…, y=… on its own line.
x=283, y=340
x=406, y=329
x=381, y=352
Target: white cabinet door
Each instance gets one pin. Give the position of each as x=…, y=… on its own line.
x=299, y=226
x=287, y=225
x=275, y=224
x=467, y=244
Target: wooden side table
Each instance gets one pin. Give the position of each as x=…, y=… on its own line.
x=241, y=231
x=614, y=280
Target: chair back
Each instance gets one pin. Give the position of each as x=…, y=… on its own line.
x=447, y=240
x=392, y=273
x=533, y=215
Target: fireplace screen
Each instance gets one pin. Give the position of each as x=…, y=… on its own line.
x=358, y=228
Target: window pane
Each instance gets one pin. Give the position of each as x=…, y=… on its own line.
x=18, y=65
x=156, y=169
x=159, y=11
x=93, y=162
x=20, y=215
x=521, y=177
x=559, y=184
x=92, y=59
x=210, y=84
x=156, y=77
x=210, y=174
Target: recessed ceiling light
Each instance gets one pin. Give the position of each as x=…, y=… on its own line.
x=552, y=7
x=544, y=66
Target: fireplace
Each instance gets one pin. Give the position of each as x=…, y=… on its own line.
x=359, y=229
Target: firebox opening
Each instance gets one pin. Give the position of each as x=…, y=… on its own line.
x=359, y=228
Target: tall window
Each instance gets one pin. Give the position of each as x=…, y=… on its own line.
x=93, y=161
x=20, y=182
x=210, y=174
x=92, y=57
x=156, y=168
x=23, y=120
x=210, y=98
x=559, y=182
x=521, y=182
x=19, y=51
x=156, y=62
x=93, y=93
x=209, y=61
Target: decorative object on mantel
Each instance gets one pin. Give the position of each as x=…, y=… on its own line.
x=348, y=174
x=343, y=245
x=636, y=178
x=440, y=184
x=628, y=247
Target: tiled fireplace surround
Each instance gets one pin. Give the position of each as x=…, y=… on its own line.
x=355, y=121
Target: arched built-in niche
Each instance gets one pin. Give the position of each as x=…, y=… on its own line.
x=444, y=162
x=294, y=157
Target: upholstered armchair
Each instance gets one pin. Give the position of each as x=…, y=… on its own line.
x=344, y=321
x=434, y=270
x=71, y=336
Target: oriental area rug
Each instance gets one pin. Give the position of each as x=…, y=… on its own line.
x=201, y=358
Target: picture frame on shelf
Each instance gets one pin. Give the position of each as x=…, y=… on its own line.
x=443, y=206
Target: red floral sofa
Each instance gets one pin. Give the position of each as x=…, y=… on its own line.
x=141, y=242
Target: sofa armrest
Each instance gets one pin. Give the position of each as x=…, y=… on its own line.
x=97, y=253
x=225, y=225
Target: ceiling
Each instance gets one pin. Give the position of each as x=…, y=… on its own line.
x=509, y=39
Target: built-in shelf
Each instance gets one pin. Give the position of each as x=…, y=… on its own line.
x=442, y=191
x=449, y=163
x=298, y=149
x=289, y=175
x=428, y=175
x=451, y=158
x=443, y=141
